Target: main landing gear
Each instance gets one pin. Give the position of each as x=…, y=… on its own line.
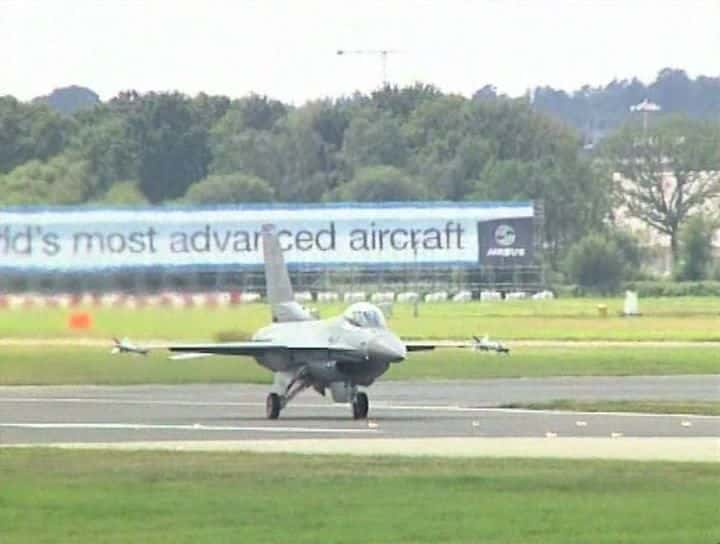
x=341, y=391
x=276, y=402
x=273, y=406
x=360, y=405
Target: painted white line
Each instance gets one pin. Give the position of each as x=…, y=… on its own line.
x=176, y=427
x=378, y=405
x=620, y=414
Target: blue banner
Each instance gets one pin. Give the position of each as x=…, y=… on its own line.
x=76, y=239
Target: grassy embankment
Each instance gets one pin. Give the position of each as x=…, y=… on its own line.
x=62, y=496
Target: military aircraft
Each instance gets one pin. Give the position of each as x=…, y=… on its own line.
x=340, y=354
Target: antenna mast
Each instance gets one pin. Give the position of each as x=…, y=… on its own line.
x=382, y=54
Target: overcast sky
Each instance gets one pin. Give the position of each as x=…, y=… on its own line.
x=287, y=48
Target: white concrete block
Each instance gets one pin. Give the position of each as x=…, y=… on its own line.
x=303, y=296
x=386, y=296
x=408, y=297
x=327, y=296
x=462, y=296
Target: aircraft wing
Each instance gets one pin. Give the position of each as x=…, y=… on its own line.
x=250, y=348
x=477, y=344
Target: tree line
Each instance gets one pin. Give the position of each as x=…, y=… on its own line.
x=597, y=111
x=394, y=144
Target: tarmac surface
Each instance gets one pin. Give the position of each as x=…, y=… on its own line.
x=398, y=410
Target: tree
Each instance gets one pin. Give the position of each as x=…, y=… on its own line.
x=374, y=139
x=230, y=188
x=259, y=112
x=171, y=140
x=664, y=175
x=630, y=251
x=104, y=139
x=379, y=184
x=696, y=250
x=402, y=101
x=293, y=157
x=28, y=132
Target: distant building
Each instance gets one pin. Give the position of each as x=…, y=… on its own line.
x=656, y=243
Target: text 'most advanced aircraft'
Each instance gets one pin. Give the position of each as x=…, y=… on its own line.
x=340, y=354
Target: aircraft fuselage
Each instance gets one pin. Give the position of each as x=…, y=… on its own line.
x=360, y=356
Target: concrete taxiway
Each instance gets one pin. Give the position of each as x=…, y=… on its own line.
x=405, y=418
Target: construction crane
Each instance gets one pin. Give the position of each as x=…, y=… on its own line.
x=381, y=53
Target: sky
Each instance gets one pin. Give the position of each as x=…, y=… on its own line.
x=287, y=49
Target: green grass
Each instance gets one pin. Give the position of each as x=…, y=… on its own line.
x=51, y=366
x=50, y=496
x=685, y=318
x=644, y=406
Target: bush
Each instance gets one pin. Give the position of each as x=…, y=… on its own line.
x=596, y=263
x=231, y=188
x=675, y=289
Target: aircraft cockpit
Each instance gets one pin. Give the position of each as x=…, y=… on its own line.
x=365, y=316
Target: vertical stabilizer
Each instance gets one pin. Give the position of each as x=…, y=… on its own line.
x=277, y=281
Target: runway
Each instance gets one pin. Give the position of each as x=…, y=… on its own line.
x=399, y=410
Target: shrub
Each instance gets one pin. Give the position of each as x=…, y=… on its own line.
x=674, y=289
x=596, y=263
x=695, y=249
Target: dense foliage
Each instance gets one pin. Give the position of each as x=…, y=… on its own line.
x=598, y=110
x=696, y=249
x=395, y=144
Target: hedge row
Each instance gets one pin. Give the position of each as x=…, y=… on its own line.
x=650, y=289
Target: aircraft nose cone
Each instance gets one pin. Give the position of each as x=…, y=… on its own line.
x=387, y=347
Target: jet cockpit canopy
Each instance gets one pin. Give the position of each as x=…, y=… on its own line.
x=365, y=315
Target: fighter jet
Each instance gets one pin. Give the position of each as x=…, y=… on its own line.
x=341, y=354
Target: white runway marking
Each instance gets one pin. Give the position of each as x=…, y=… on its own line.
x=638, y=449
x=174, y=427
x=378, y=405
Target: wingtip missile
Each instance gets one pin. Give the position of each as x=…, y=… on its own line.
x=125, y=346
x=485, y=344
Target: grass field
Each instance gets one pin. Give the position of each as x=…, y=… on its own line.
x=51, y=366
x=686, y=318
x=50, y=496
x=643, y=406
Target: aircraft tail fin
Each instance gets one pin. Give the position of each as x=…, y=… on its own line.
x=277, y=281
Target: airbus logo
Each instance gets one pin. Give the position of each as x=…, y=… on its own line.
x=505, y=235
x=506, y=252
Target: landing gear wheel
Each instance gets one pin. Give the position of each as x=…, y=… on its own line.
x=272, y=406
x=360, y=406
